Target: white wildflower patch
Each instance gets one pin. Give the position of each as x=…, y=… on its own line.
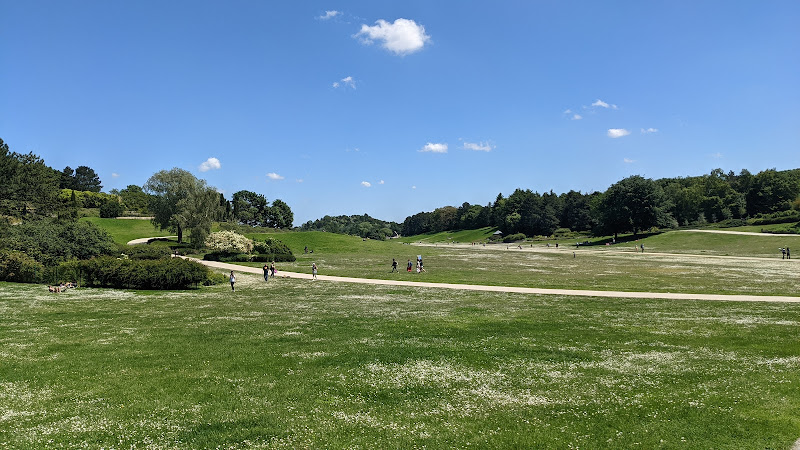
x=306, y=355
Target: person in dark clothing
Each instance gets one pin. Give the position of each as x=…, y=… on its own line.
x=266, y=272
x=394, y=265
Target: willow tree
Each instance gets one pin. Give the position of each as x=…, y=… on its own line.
x=179, y=201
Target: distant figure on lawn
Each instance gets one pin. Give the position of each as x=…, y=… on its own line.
x=272, y=269
x=788, y=255
x=394, y=265
x=642, y=245
x=408, y=267
x=783, y=253
x=313, y=271
x=233, y=280
x=266, y=272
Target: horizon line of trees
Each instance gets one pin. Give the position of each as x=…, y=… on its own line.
x=30, y=190
x=357, y=225
x=633, y=204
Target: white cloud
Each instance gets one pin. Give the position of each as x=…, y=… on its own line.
x=209, y=164
x=478, y=146
x=567, y=112
x=366, y=184
x=617, y=132
x=402, y=37
x=434, y=148
x=329, y=15
x=274, y=176
x=413, y=187
x=115, y=175
x=649, y=130
x=381, y=182
x=603, y=104
x=299, y=180
x=345, y=82
x=717, y=155
x=628, y=161
x=577, y=117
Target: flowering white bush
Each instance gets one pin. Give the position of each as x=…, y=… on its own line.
x=228, y=242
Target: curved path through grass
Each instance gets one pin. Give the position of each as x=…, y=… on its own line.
x=514, y=289
x=522, y=290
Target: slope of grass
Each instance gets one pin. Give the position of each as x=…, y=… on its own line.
x=124, y=230
x=463, y=236
x=291, y=364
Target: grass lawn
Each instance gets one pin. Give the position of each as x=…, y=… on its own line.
x=298, y=364
x=124, y=230
x=687, y=262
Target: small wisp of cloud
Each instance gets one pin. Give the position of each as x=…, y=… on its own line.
x=345, y=82
x=628, y=160
x=366, y=184
x=210, y=164
x=602, y=104
x=402, y=37
x=115, y=175
x=431, y=147
x=329, y=15
x=649, y=130
x=615, y=133
x=478, y=146
x=381, y=182
x=274, y=176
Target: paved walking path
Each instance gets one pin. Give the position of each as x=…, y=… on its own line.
x=521, y=290
x=748, y=233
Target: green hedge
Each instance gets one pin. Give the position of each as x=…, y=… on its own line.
x=172, y=273
x=244, y=257
x=19, y=267
x=514, y=237
x=145, y=251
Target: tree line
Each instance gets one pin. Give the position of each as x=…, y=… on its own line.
x=31, y=190
x=633, y=204
x=363, y=226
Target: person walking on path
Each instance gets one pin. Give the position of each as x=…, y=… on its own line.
x=313, y=271
x=233, y=280
x=394, y=265
x=266, y=272
x=272, y=269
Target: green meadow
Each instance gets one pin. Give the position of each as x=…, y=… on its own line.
x=298, y=364
x=677, y=261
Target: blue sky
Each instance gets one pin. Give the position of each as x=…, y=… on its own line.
x=394, y=108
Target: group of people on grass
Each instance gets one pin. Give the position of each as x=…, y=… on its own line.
x=56, y=288
x=269, y=272
x=420, y=266
x=785, y=254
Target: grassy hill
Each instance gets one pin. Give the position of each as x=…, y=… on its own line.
x=124, y=230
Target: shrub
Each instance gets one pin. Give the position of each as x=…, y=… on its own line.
x=273, y=246
x=514, y=237
x=20, y=268
x=267, y=257
x=50, y=242
x=778, y=217
x=172, y=273
x=145, y=251
x=215, y=278
x=111, y=208
x=228, y=242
